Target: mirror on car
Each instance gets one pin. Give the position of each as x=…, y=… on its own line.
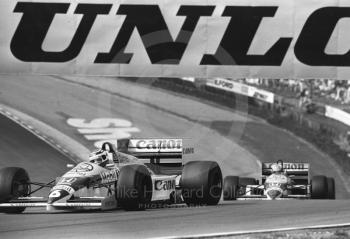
x=69, y=165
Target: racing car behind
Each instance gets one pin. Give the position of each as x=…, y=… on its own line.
x=280, y=181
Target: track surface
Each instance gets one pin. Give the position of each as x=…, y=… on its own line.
x=20, y=148
x=230, y=217
x=40, y=98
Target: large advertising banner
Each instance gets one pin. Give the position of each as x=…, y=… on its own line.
x=177, y=38
x=241, y=89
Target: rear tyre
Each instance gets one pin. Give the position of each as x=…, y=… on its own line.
x=331, y=188
x=14, y=183
x=319, y=187
x=230, y=187
x=134, y=187
x=201, y=183
x=247, y=181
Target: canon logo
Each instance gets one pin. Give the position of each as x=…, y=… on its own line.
x=164, y=184
x=159, y=144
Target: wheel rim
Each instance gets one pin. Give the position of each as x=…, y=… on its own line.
x=20, y=188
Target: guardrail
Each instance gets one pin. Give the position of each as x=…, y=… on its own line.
x=232, y=87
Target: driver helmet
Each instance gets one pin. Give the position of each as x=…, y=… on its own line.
x=99, y=157
x=109, y=148
x=276, y=168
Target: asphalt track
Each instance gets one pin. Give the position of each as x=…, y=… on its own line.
x=20, y=148
x=38, y=97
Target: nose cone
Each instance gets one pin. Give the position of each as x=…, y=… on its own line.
x=273, y=193
x=58, y=196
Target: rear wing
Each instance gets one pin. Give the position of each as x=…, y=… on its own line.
x=167, y=150
x=297, y=171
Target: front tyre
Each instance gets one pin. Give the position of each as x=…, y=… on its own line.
x=319, y=187
x=331, y=188
x=14, y=183
x=230, y=188
x=134, y=187
x=201, y=183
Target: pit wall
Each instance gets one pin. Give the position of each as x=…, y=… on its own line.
x=324, y=126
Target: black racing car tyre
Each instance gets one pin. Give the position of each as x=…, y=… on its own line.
x=319, y=187
x=331, y=188
x=230, y=187
x=247, y=181
x=14, y=183
x=201, y=183
x=134, y=187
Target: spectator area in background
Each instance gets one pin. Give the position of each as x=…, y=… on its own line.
x=335, y=93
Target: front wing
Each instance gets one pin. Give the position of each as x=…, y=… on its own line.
x=264, y=197
x=104, y=203
x=249, y=194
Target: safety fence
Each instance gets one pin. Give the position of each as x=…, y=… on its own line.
x=227, y=87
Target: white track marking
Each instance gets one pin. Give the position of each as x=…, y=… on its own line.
x=236, y=233
x=10, y=114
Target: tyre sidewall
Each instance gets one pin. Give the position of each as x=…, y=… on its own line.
x=331, y=188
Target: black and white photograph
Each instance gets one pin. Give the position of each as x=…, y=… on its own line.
x=174, y=119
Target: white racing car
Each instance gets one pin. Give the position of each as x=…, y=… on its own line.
x=280, y=181
x=144, y=172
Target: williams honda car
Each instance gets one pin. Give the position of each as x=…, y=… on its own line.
x=141, y=172
x=280, y=181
